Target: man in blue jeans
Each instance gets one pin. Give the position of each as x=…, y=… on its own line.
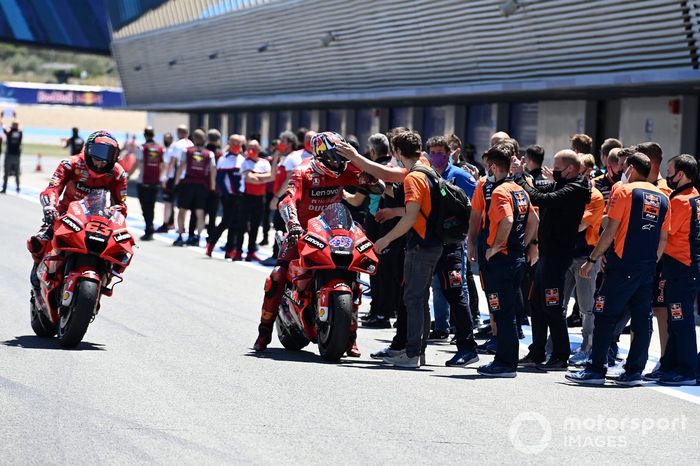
x=423, y=249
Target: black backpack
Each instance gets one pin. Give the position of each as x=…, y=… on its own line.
x=449, y=216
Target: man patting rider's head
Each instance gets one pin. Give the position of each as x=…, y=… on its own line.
x=326, y=160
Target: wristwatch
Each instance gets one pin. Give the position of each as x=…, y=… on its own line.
x=591, y=260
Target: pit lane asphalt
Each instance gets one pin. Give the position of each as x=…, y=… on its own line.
x=166, y=375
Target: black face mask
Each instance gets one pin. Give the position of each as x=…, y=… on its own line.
x=617, y=176
x=556, y=174
x=672, y=184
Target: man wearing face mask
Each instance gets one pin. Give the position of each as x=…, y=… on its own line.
x=681, y=272
x=562, y=205
x=637, y=229
x=613, y=174
x=450, y=275
x=228, y=180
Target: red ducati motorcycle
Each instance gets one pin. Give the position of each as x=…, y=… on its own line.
x=90, y=247
x=322, y=295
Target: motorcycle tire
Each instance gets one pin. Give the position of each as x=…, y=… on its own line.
x=73, y=325
x=334, y=335
x=291, y=339
x=42, y=325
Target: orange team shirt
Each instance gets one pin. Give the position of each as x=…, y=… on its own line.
x=620, y=209
x=663, y=186
x=417, y=189
x=678, y=245
x=507, y=200
x=479, y=200
x=593, y=216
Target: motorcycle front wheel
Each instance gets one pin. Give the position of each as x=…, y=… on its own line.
x=74, y=321
x=334, y=334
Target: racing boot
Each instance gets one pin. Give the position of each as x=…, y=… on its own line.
x=274, y=288
x=37, y=244
x=264, y=337
x=353, y=351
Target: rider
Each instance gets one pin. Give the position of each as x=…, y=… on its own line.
x=313, y=186
x=95, y=167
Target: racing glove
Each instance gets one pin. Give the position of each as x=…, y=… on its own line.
x=50, y=214
x=294, y=231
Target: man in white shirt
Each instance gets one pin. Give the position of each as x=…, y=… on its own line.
x=171, y=158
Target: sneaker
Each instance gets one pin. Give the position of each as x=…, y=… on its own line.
x=554, y=364
x=483, y=332
x=179, y=241
x=488, y=347
x=438, y=335
x=462, y=358
x=579, y=359
x=402, y=360
x=574, y=320
x=529, y=361
x=629, y=379
x=377, y=322
x=162, y=229
x=366, y=317
x=675, y=379
x=586, y=377
x=653, y=376
x=209, y=249
x=193, y=241
x=269, y=262
x=264, y=338
x=496, y=370
x=252, y=257
x=147, y=237
x=385, y=353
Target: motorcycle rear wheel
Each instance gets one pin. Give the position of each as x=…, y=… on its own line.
x=74, y=323
x=291, y=338
x=42, y=325
x=334, y=335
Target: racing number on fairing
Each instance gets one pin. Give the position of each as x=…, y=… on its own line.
x=97, y=228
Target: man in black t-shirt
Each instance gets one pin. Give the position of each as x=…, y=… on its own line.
x=13, y=151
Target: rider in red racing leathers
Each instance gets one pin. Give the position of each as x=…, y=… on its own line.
x=313, y=187
x=95, y=167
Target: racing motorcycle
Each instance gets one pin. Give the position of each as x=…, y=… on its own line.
x=323, y=293
x=90, y=247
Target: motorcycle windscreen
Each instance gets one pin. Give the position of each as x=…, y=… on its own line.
x=96, y=203
x=337, y=217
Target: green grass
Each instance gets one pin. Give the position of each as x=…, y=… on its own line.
x=46, y=150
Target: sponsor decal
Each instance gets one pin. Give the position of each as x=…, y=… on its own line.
x=71, y=223
x=494, y=302
x=455, y=279
x=551, y=296
x=651, y=207
x=365, y=245
x=315, y=242
x=661, y=290
x=327, y=192
x=676, y=311
x=520, y=202
x=341, y=242
x=122, y=236
x=599, y=304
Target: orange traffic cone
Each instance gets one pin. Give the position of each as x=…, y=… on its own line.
x=38, y=163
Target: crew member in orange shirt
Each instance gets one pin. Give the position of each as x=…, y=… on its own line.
x=588, y=236
x=638, y=226
x=512, y=225
x=681, y=272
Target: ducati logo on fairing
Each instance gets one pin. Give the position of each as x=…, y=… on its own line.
x=314, y=242
x=70, y=223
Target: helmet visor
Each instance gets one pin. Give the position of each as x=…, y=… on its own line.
x=103, y=152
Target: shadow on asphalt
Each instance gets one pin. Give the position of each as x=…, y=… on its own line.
x=34, y=342
x=281, y=354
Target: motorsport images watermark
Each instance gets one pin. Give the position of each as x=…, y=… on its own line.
x=531, y=432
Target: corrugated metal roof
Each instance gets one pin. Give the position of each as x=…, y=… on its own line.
x=393, y=46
